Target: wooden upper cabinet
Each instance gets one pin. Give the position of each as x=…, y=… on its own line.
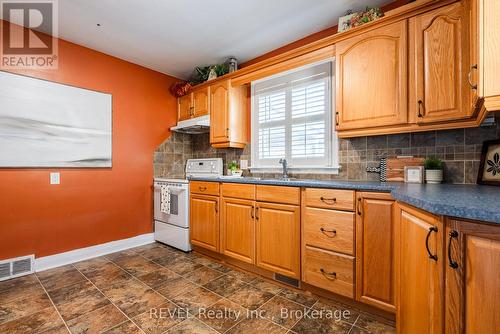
x=440, y=64
x=372, y=78
x=376, y=241
x=200, y=102
x=228, y=115
x=472, y=279
x=219, y=118
x=238, y=229
x=421, y=277
x=204, y=221
x=488, y=33
x=278, y=238
x=185, y=107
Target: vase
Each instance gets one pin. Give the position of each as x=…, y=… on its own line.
x=434, y=176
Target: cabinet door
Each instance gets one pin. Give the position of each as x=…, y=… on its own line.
x=372, y=78
x=238, y=229
x=421, y=277
x=185, y=107
x=376, y=238
x=204, y=218
x=472, y=278
x=200, y=102
x=440, y=57
x=278, y=238
x=219, y=109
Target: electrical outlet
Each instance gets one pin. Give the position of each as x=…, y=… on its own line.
x=244, y=164
x=55, y=178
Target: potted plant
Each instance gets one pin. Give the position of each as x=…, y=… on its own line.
x=233, y=169
x=433, y=170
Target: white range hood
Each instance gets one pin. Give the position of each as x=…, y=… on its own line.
x=194, y=125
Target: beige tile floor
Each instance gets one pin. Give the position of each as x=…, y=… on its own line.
x=157, y=289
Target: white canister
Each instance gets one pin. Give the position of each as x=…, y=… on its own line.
x=434, y=176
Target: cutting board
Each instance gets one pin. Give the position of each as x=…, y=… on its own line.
x=396, y=167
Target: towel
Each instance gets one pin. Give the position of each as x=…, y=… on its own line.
x=165, y=199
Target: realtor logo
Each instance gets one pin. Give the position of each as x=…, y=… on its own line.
x=29, y=34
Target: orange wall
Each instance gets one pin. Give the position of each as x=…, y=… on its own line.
x=91, y=206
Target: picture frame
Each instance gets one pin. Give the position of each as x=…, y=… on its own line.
x=489, y=166
x=414, y=174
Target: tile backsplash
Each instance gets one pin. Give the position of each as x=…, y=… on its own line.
x=460, y=149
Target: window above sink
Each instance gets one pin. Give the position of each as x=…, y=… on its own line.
x=292, y=118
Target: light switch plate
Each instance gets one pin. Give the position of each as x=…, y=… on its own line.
x=244, y=164
x=55, y=178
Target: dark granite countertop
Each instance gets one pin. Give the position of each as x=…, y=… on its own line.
x=474, y=202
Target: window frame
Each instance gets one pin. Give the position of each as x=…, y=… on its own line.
x=329, y=164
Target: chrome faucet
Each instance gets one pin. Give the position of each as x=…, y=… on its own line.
x=285, y=168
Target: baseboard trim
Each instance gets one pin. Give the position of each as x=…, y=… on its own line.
x=61, y=259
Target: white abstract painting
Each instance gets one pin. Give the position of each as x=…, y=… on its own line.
x=46, y=124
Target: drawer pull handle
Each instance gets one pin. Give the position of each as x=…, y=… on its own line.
x=330, y=201
x=469, y=77
x=202, y=188
x=326, y=232
x=431, y=229
x=420, y=106
x=332, y=275
x=453, y=264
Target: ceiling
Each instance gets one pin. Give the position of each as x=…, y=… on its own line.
x=174, y=36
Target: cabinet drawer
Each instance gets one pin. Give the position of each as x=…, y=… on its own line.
x=238, y=190
x=329, y=198
x=330, y=271
x=329, y=229
x=279, y=194
x=205, y=188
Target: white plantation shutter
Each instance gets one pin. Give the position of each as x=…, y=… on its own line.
x=292, y=119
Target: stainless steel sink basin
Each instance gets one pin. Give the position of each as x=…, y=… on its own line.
x=288, y=179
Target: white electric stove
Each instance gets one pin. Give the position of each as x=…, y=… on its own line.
x=173, y=228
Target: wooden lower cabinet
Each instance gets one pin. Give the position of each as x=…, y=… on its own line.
x=204, y=221
x=420, y=306
x=376, y=255
x=328, y=229
x=278, y=238
x=238, y=229
x=328, y=270
x=472, y=289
